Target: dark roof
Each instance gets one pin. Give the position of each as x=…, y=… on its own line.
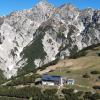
x=70, y=80
x=51, y=78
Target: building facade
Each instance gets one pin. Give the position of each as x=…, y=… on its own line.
x=52, y=80
x=70, y=82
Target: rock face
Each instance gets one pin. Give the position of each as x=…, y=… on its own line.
x=16, y=32
x=34, y=37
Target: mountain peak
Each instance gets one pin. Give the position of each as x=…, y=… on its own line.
x=68, y=6
x=43, y=2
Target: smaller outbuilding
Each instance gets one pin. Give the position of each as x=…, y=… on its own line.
x=38, y=81
x=70, y=81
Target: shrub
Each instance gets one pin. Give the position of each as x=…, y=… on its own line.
x=98, y=77
x=86, y=75
x=70, y=95
x=9, y=98
x=50, y=91
x=95, y=72
x=83, y=51
x=68, y=72
x=80, y=93
x=87, y=95
x=96, y=87
x=95, y=96
x=25, y=92
x=50, y=94
x=78, y=54
x=2, y=77
x=99, y=54
x=22, y=80
x=67, y=91
x=90, y=96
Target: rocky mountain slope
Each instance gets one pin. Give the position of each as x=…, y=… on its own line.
x=16, y=31
x=34, y=37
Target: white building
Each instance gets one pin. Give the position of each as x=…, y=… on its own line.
x=70, y=82
x=52, y=80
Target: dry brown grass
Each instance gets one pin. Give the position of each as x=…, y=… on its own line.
x=75, y=64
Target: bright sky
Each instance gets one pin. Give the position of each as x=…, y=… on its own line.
x=7, y=6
